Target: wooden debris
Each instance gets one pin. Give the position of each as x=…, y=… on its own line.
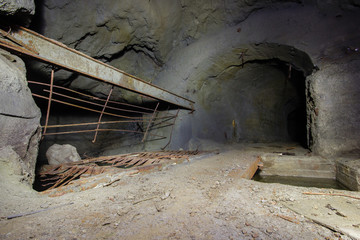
x=287, y=218
x=143, y=200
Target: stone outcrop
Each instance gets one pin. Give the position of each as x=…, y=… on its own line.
x=19, y=115
x=19, y=11
x=58, y=154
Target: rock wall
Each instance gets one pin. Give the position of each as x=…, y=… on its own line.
x=19, y=11
x=230, y=57
x=19, y=115
x=334, y=107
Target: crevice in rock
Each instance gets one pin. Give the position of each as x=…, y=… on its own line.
x=137, y=48
x=16, y=116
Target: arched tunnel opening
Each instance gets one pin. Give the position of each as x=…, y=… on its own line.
x=258, y=100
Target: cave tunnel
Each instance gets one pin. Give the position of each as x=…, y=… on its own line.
x=179, y=119
x=256, y=99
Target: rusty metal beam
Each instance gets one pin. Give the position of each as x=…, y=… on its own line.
x=52, y=52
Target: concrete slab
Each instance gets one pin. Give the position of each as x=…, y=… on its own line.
x=297, y=166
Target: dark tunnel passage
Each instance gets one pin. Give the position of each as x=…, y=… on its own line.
x=263, y=101
x=297, y=117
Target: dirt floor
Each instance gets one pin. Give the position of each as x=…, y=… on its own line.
x=200, y=199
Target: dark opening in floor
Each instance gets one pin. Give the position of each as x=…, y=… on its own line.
x=300, y=181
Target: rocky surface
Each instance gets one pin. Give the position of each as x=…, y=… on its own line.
x=232, y=59
x=200, y=199
x=306, y=29
x=334, y=111
x=58, y=154
x=19, y=115
x=19, y=11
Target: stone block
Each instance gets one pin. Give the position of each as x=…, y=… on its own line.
x=348, y=173
x=297, y=166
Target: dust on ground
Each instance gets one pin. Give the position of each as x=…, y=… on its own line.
x=194, y=200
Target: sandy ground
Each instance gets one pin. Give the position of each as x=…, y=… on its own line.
x=199, y=199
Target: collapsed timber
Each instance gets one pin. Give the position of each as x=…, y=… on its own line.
x=63, y=178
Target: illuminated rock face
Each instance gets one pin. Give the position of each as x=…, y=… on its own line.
x=233, y=59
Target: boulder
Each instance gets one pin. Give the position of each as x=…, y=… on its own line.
x=58, y=154
x=19, y=115
x=14, y=176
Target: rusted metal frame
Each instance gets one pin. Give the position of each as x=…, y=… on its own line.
x=50, y=181
x=99, y=99
x=85, y=108
x=93, y=123
x=72, y=170
x=50, y=50
x=162, y=121
x=154, y=139
x=65, y=173
x=56, y=170
x=93, y=103
x=11, y=46
x=102, y=130
x=172, y=129
x=96, y=98
x=75, y=173
x=150, y=121
x=93, y=110
x=49, y=102
x=160, y=127
x=14, y=40
x=101, y=114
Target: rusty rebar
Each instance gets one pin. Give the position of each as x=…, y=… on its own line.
x=163, y=120
x=94, y=110
x=172, y=128
x=49, y=102
x=96, y=104
x=92, y=123
x=102, y=130
x=99, y=99
x=94, y=98
x=14, y=40
x=85, y=108
x=147, y=129
x=102, y=112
